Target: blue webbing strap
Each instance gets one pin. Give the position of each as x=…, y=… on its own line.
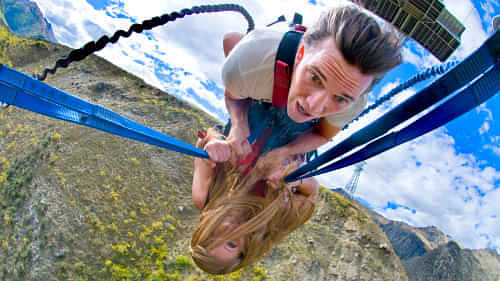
x=20, y=90
x=462, y=74
x=470, y=97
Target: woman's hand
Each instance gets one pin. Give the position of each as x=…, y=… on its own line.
x=274, y=163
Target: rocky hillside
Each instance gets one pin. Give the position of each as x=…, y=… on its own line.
x=447, y=262
x=79, y=204
x=24, y=18
x=428, y=254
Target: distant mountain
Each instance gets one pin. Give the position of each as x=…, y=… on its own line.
x=24, y=18
x=447, y=262
x=428, y=254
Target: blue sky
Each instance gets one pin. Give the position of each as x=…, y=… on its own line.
x=449, y=178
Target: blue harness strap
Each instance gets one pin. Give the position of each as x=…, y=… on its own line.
x=458, y=77
x=470, y=97
x=20, y=90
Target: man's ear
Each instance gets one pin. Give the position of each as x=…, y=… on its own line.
x=300, y=54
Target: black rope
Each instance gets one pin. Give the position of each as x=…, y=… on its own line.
x=94, y=46
x=421, y=76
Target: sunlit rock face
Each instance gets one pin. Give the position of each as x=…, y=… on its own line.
x=25, y=18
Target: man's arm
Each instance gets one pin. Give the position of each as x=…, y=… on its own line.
x=239, y=133
x=237, y=108
x=321, y=134
x=303, y=144
x=230, y=40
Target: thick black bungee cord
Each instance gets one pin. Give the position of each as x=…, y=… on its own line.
x=94, y=46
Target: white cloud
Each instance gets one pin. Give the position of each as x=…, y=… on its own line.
x=426, y=175
x=483, y=109
x=474, y=34
x=410, y=57
x=495, y=149
x=489, y=9
x=484, y=128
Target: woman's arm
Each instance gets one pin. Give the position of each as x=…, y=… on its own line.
x=203, y=176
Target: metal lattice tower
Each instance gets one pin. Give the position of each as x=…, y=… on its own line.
x=353, y=183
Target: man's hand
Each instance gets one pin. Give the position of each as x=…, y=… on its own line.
x=238, y=139
x=219, y=150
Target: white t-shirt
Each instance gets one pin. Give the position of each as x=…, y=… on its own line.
x=248, y=72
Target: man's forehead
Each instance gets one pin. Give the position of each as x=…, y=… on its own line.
x=330, y=64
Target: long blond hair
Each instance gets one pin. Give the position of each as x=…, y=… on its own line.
x=264, y=220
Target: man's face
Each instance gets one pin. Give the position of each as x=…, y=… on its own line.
x=323, y=83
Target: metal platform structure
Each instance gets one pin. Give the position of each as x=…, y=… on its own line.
x=426, y=21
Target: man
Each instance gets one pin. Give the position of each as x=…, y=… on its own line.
x=338, y=61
